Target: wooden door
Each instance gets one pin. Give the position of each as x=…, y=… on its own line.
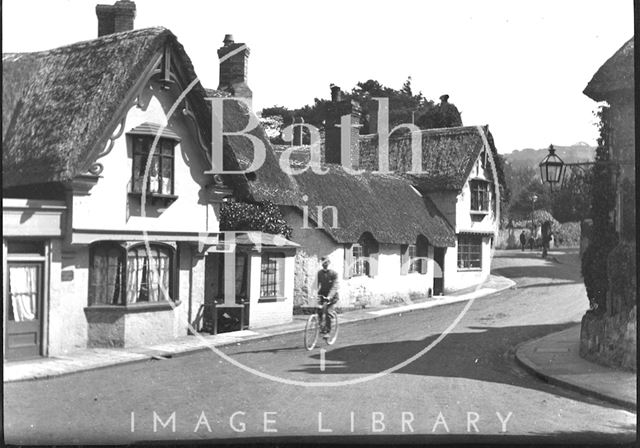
x=23, y=321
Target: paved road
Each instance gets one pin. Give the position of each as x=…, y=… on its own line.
x=466, y=382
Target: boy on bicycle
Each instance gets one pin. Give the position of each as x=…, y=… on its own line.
x=327, y=287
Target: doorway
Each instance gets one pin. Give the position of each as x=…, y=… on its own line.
x=223, y=314
x=438, y=271
x=23, y=320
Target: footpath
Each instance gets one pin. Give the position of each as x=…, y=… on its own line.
x=556, y=359
x=96, y=358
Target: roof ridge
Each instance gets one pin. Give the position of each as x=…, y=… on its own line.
x=89, y=42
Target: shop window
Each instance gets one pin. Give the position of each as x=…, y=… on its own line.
x=469, y=252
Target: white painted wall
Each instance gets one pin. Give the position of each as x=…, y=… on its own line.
x=263, y=314
x=105, y=208
x=456, y=279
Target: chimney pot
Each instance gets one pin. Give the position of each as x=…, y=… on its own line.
x=228, y=39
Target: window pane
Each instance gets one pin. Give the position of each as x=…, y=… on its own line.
x=106, y=276
x=469, y=251
x=167, y=147
x=167, y=175
x=149, y=278
x=271, y=275
x=23, y=291
x=154, y=175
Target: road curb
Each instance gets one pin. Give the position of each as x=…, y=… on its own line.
x=527, y=364
x=259, y=337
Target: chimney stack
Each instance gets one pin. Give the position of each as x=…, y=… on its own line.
x=115, y=18
x=336, y=93
x=335, y=110
x=234, y=61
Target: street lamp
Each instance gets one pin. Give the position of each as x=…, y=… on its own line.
x=551, y=168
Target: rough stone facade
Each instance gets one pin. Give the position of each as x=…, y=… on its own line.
x=610, y=338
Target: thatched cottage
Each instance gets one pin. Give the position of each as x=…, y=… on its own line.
x=398, y=235
x=111, y=225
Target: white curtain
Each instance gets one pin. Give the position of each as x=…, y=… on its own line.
x=24, y=292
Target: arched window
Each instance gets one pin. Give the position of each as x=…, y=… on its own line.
x=122, y=277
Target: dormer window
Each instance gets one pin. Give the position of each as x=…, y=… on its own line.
x=160, y=179
x=480, y=195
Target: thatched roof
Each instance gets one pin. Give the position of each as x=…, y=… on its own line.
x=60, y=106
x=616, y=76
x=448, y=155
x=384, y=205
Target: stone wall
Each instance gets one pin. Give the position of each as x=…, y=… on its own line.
x=610, y=338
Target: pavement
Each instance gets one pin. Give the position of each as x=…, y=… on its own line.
x=96, y=358
x=556, y=359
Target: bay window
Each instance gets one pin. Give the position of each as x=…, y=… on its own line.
x=120, y=275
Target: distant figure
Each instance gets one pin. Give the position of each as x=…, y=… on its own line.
x=546, y=243
x=531, y=242
x=523, y=240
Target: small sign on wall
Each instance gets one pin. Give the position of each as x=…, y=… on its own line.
x=66, y=276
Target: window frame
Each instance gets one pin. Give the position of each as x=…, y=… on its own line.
x=358, y=265
x=415, y=264
x=124, y=250
x=278, y=277
x=466, y=248
x=164, y=144
x=480, y=196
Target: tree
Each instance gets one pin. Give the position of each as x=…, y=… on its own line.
x=572, y=202
x=604, y=238
x=404, y=107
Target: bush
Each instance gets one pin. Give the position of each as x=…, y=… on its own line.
x=262, y=217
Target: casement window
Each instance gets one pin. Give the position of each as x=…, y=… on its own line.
x=413, y=257
x=124, y=276
x=272, y=274
x=469, y=251
x=160, y=179
x=480, y=195
x=414, y=262
x=361, y=258
x=358, y=265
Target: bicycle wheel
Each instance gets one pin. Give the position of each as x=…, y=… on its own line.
x=333, y=334
x=311, y=332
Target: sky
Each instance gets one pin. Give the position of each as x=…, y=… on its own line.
x=518, y=66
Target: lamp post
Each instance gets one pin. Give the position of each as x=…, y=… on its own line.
x=553, y=169
x=534, y=198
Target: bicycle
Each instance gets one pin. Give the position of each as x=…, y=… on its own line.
x=316, y=325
